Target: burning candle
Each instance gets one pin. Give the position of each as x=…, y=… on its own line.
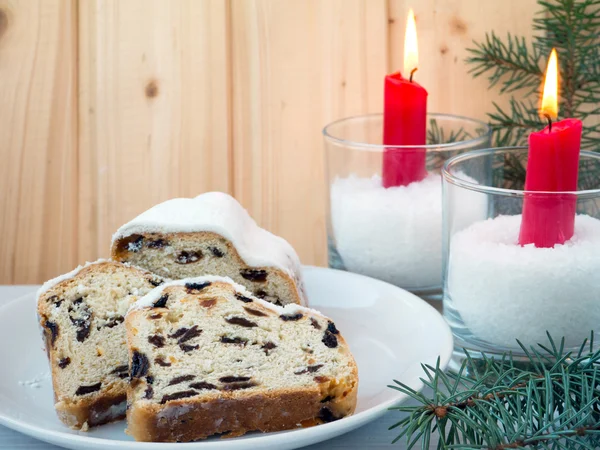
x=405, y=112
x=500, y=286
x=552, y=166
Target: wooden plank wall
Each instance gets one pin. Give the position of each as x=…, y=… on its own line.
x=110, y=106
x=38, y=139
x=154, y=109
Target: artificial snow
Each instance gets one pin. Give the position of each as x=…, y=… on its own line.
x=395, y=234
x=505, y=292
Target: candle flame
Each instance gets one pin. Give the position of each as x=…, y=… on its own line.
x=550, y=94
x=411, y=51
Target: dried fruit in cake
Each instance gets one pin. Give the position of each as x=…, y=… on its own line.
x=247, y=370
x=211, y=235
x=82, y=315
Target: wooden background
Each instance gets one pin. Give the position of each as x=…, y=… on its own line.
x=110, y=106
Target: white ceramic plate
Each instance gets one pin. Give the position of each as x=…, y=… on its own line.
x=390, y=331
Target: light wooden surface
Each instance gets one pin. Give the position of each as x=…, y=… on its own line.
x=110, y=106
x=372, y=436
x=154, y=109
x=446, y=28
x=296, y=67
x=38, y=139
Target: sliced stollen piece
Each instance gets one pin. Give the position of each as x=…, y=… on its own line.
x=211, y=234
x=82, y=315
x=206, y=357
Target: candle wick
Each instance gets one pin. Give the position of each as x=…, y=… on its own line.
x=549, y=122
x=412, y=72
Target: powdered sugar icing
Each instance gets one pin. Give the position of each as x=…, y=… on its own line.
x=219, y=213
x=67, y=276
x=151, y=297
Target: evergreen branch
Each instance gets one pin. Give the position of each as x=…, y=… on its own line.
x=509, y=63
x=550, y=402
x=438, y=135
x=570, y=26
x=511, y=128
x=590, y=137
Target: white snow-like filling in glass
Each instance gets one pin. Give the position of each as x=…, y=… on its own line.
x=395, y=234
x=505, y=292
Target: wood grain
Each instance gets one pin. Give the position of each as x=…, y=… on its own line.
x=446, y=28
x=38, y=172
x=111, y=106
x=296, y=67
x=154, y=109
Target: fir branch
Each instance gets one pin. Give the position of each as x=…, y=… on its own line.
x=571, y=26
x=439, y=135
x=550, y=402
x=509, y=63
x=512, y=127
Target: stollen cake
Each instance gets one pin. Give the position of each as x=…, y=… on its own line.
x=211, y=234
x=206, y=358
x=82, y=315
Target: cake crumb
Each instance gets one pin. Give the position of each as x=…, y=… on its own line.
x=36, y=382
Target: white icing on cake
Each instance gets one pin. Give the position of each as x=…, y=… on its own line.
x=219, y=213
x=151, y=297
x=53, y=282
x=69, y=275
x=66, y=276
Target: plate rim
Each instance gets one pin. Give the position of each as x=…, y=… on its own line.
x=315, y=434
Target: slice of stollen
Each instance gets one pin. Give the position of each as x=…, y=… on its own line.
x=211, y=234
x=206, y=357
x=82, y=314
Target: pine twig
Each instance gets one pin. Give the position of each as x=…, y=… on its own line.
x=512, y=64
x=551, y=402
x=570, y=26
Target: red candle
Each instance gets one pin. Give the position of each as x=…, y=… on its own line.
x=404, y=118
x=552, y=166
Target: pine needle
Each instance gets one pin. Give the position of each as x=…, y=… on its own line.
x=552, y=400
x=517, y=67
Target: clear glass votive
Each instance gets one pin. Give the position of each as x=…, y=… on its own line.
x=393, y=234
x=496, y=291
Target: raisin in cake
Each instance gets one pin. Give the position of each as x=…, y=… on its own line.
x=211, y=234
x=206, y=357
x=82, y=315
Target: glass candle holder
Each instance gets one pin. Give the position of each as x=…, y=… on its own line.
x=496, y=291
x=393, y=234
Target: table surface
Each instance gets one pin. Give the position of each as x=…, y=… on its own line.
x=371, y=436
